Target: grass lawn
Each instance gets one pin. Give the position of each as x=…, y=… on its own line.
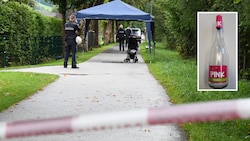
x=179, y=78
x=43, y=7
x=16, y=86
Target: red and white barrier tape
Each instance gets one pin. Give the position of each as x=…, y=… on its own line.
x=196, y=112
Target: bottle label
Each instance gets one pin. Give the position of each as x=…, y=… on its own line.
x=218, y=74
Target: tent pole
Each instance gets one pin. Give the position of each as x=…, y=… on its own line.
x=152, y=28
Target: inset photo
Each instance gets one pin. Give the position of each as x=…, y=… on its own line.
x=217, y=51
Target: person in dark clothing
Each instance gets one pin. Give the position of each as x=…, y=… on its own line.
x=128, y=32
x=71, y=30
x=120, y=36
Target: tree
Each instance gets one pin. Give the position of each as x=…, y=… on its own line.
x=64, y=6
x=94, y=24
x=176, y=22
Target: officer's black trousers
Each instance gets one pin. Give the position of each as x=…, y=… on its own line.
x=121, y=45
x=70, y=45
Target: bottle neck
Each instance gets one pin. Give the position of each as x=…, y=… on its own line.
x=219, y=33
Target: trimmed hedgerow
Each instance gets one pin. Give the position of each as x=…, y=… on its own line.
x=23, y=34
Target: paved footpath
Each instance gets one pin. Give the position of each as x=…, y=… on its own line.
x=102, y=84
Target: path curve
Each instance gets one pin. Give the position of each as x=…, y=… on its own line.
x=102, y=84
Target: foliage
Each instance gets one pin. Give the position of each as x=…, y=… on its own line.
x=178, y=19
x=144, y=5
x=176, y=24
x=65, y=6
x=244, y=42
x=21, y=32
x=242, y=7
x=179, y=77
x=30, y=3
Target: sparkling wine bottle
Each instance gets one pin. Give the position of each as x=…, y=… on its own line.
x=218, y=62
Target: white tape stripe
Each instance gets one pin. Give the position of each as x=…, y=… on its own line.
x=3, y=130
x=207, y=111
x=196, y=112
x=243, y=108
x=110, y=120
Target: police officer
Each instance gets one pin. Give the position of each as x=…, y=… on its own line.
x=128, y=32
x=120, y=36
x=71, y=30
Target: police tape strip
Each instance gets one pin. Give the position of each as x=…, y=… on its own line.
x=195, y=112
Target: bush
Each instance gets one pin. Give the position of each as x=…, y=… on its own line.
x=22, y=32
x=176, y=19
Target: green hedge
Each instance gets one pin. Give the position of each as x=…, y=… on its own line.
x=24, y=33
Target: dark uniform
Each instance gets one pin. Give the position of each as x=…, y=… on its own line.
x=120, y=36
x=128, y=32
x=70, y=30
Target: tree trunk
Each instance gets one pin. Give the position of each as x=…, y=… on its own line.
x=108, y=36
x=96, y=29
x=64, y=5
x=112, y=32
x=95, y=23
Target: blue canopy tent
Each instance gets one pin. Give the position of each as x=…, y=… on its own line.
x=117, y=10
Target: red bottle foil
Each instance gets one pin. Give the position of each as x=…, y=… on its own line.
x=218, y=21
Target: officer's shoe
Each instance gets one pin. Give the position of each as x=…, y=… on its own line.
x=75, y=67
x=65, y=65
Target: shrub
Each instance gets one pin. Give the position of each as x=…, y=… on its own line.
x=22, y=34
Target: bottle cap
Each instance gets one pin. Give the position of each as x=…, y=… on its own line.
x=218, y=21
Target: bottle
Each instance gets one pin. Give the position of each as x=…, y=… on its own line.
x=218, y=62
